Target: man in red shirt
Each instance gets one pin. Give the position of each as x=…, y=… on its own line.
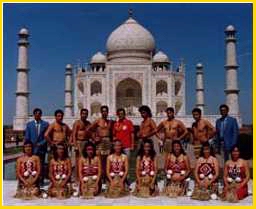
x=123, y=131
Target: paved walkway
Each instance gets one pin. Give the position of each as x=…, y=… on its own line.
x=9, y=188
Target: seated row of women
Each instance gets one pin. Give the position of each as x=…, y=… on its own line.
x=177, y=172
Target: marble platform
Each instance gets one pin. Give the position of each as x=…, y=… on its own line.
x=9, y=188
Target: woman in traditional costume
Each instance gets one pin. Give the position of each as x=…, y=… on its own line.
x=236, y=177
x=206, y=174
x=89, y=172
x=117, y=170
x=28, y=169
x=60, y=173
x=177, y=169
x=146, y=171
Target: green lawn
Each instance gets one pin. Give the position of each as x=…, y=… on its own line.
x=12, y=150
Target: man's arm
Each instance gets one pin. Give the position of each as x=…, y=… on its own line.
x=160, y=127
x=211, y=130
x=183, y=129
x=48, y=134
x=74, y=132
x=153, y=130
x=42, y=142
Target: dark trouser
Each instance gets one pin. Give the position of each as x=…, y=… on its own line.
x=41, y=155
x=104, y=168
x=226, y=154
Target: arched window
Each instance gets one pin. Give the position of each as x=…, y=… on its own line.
x=129, y=92
x=160, y=108
x=178, y=105
x=177, y=87
x=161, y=88
x=96, y=88
x=95, y=108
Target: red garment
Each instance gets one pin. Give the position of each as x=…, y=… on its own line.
x=237, y=171
x=176, y=166
x=123, y=131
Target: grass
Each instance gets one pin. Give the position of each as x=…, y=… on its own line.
x=12, y=150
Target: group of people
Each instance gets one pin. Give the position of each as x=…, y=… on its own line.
x=102, y=152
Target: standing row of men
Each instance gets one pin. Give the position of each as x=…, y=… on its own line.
x=103, y=131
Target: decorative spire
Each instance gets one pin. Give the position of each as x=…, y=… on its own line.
x=130, y=12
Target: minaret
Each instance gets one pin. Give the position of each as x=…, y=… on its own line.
x=68, y=92
x=200, y=87
x=182, y=92
x=22, y=92
x=231, y=71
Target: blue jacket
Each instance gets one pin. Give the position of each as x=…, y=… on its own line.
x=31, y=135
x=231, y=132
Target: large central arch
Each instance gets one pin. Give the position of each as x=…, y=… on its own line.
x=129, y=95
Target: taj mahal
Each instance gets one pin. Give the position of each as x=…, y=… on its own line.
x=130, y=73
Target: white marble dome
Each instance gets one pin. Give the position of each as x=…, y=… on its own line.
x=161, y=57
x=130, y=36
x=23, y=31
x=98, y=58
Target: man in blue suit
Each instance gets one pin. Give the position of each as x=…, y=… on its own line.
x=227, y=131
x=35, y=133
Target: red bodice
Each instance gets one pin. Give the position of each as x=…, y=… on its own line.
x=176, y=165
x=28, y=166
x=59, y=168
x=206, y=167
x=90, y=169
x=236, y=171
x=147, y=165
x=117, y=164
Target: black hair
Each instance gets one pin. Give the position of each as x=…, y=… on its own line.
x=89, y=144
x=113, y=144
x=55, y=154
x=26, y=143
x=223, y=105
x=121, y=109
x=152, y=152
x=206, y=144
x=181, y=148
x=58, y=111
x=233, y=148
x=84, y=109
x=196, y=109
x=145, y=108
x=102, y=107
x=171, y=109
x=37, y=110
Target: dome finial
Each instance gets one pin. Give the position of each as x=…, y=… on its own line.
x=130, y=12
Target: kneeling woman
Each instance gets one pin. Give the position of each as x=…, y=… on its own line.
x=146, y=171
x=89, y=172
x=236, y=177
x=177, y=170
x=60, y=173
x=206, y=174
x=117, y=170
x=28, y=171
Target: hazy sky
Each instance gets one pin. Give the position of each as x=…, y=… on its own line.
x=67, y=33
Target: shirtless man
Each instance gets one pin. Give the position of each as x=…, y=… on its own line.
x=58, y=132
x=148, y=127
x=202, y=130
x=102, y=129
x=173, y=130
x=80, y=135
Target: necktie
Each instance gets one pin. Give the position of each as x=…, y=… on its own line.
x=222, y=128
x=37, y=129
